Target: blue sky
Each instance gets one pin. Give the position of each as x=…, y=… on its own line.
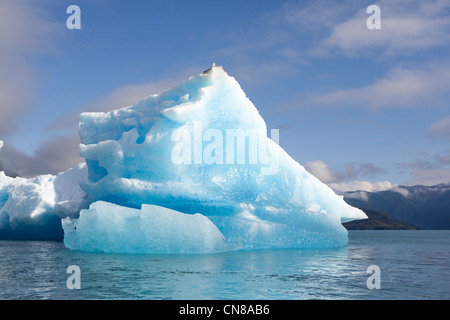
x=358, y=108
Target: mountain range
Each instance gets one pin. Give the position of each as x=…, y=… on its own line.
x=425, y=207
x=378, y=221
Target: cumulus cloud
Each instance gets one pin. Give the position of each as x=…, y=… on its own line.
x=56, y=155
x=322, y=171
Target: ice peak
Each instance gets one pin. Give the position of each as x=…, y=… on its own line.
x=214, y=69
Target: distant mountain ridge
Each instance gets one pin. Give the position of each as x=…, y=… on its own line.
x=427, y=207
x=377, y=221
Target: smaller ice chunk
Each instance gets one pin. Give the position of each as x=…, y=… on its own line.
x=110, y=228
x=5, y=181
x=32, y=209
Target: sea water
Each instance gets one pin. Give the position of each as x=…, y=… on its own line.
x=411, y=265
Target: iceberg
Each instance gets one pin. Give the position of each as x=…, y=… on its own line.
x=193, y=170
x=32, y=209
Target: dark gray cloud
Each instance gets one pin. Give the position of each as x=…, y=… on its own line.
x=54, y=156
x=427, y=172
x=328, y=174
x=355, y=170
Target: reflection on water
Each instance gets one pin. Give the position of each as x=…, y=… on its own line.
x=294, y=274
x=414, y=265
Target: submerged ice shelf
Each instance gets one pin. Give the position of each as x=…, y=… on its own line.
x=190, y=170
x=106, y=227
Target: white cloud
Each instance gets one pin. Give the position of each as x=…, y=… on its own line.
x=407, y=27
x=402, y=87
x=337, y=180
x=402, y=191
x=327, y=174
x=358, y=185
x=317, y=16
x=321, y=171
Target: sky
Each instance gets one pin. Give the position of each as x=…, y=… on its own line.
x=360, y=108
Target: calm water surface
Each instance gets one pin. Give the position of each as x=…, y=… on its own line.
x=413, y=264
